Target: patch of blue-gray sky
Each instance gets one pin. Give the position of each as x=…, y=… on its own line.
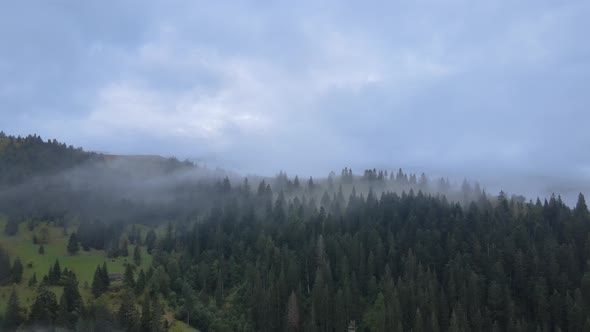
x=456, y=87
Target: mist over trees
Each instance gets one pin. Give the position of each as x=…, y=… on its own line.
x=380, y=250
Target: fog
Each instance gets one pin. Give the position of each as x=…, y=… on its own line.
x=494, y=92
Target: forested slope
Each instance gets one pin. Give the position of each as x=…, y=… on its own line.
x=22, y=158
x=379, y=251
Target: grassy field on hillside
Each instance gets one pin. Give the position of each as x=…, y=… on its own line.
x=83, y=264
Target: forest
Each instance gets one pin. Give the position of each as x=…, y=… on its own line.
x=378, y=250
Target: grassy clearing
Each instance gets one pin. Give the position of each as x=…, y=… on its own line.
x=83, y=264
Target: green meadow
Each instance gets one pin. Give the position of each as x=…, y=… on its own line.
x=83, y=264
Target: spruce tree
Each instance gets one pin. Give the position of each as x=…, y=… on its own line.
x=137, y=255
x=33, y=280
x=72, y=295
x=73, y=246
x=55, y=273
x=41, y=250
x=157, y=316
x=127, y=313
x=17, y=271
x=140, y=283
x=4, y=267
x=61, y=318
x=105, y=276
x=44, y=309
x=146, y=314
x=128, y=279
x=293, y=319
x=13, y=316
x=98, y=285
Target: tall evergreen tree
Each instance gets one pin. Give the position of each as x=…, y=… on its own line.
x=55, y=273
x=4, y=267
x=293, y=318
x=104, y=274
x=127, y=313
x=140, y=283
x=62, y=315
x=33, y=280
x=98, y=284
x=44, y=309
x=72, y=295
x=73, y=246
x=137, y=255
x=17, y=271
x=158, y=323
x=146, y=314
x=13, y=316
x=128, y=279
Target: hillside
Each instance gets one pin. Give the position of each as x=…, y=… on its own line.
x=22, y=158
x=377, y=251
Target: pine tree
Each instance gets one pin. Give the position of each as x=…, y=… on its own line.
x=127, y=314
x=44, y=309
x=418, y=322
x=61, y=318
x=33, y=280
x=4, y=267
x=41, y=250
x=55, y=273
x=219, y=289
x=72, y=295
x=157, y=316
x=146, y=314
x=128, y=279
x=17, y=271
x=98, y=285
x=13, y=316
x=104, y=274
x=73, y=246
x=581, y=208
x=293, y=319
x=137, y=255
x=455, y=324
x=375, y=317
x=188, y=299
x=140, y=283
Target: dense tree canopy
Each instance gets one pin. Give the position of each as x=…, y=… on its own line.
x=22, y=158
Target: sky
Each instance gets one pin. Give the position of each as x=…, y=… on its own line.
x=469, y=88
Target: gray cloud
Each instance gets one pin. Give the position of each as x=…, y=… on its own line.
x=454, y=88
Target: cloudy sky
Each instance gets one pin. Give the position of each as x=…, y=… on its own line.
x=454, y=87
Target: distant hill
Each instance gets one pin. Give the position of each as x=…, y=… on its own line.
x=23, y=158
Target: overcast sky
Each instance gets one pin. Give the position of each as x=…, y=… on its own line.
x=456, y=87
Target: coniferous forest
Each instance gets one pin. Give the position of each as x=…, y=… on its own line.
x=370, y=250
